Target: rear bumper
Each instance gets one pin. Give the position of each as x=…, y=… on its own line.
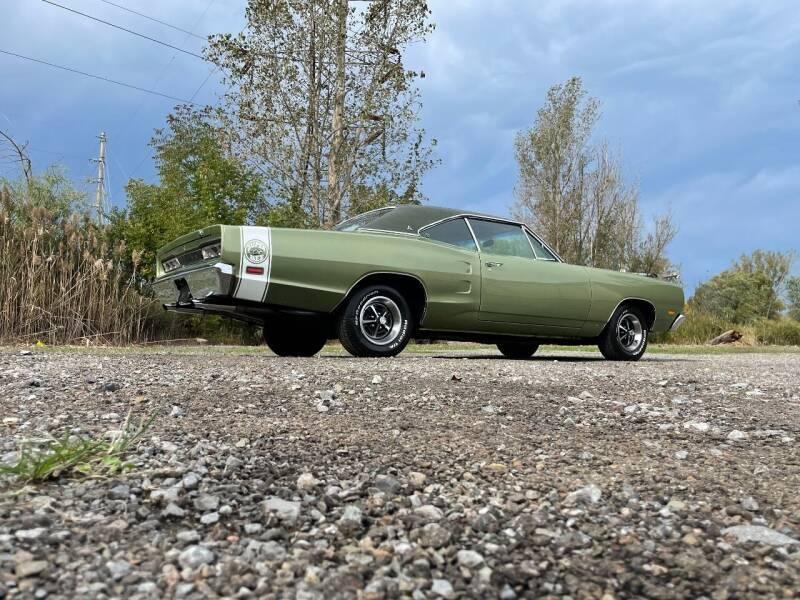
x=677, y=322
x=195, y=286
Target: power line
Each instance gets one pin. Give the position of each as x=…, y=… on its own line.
x=125, y=8
x=136, y=33
x=99, y=77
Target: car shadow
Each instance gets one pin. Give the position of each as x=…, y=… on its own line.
x=574, y=358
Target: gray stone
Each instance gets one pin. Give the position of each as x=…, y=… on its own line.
x=173, y=510
x=388, y=485
x=253, y=528
x=469, y=559
x=29, y=568
x=206, y=502
x=120, y=492
x=749, y=503
x=270, y=551
x=434, y=536
x=590, y=494
x=285, y=510
x=30, y=534
x=350, y=522
x=190, y=480
x=307, y=481
x=760, y=535
x=118, y=569
x=442, y=588
x=429, y=513
x=195, y=556
x=188, y=536
x=209, y=518
x=737, y=436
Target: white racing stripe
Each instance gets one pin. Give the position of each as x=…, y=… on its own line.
x=256, y=253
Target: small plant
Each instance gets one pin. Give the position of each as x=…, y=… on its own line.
x=77, y=455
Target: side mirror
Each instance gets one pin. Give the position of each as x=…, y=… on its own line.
x=487, y=243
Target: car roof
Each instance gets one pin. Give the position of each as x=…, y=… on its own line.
x=411, y=218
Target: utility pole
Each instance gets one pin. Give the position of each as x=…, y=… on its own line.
x=100, y=193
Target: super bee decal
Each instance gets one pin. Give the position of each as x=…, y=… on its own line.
x=255, y=264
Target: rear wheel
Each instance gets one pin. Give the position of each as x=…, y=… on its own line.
x=625, y=336
x=377, y=321
x=518, y=350
x=290, y=336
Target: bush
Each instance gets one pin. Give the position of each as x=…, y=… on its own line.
x=781, y=332
x=700, y=328
x=59, y=281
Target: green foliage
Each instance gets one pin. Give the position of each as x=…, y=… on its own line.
x=52, y=191
x=749, y=290
x=77, y=455
x=319, y=98
x=734, y=296
x=574, y=192
x=200, y=184
x=793, y=297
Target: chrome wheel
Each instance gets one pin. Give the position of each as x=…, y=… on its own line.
x=380, y=320
x=630, y=333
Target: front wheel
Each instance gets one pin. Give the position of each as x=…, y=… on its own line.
x=518, y=350
x=295, y=336
x=625, y=336
x=377, y=321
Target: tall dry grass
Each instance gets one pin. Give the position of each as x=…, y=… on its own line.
x=60, y=282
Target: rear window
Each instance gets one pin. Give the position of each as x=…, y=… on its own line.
x=363, y=220
x=454, y=232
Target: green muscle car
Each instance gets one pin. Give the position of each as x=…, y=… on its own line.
x=391, y=274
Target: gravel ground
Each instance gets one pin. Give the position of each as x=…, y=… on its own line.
x=421, y=476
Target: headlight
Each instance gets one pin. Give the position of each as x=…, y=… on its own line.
x=211, y=251
x=171, y=264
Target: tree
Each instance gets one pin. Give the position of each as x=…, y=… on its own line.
x=750, y=289
x=734, y=295
x=574, y=193
x=200, y=183
x=775, y=266
x=320, y=102
x=793, y=296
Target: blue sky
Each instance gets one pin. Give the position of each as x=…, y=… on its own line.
x=700, y=99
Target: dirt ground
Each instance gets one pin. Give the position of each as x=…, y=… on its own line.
x=426, y=476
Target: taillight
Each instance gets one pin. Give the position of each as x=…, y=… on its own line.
x=171, y=264
x=255, y=270
x=210, y=251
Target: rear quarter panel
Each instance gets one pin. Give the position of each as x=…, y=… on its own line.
x=314, y=270
x=610, y=288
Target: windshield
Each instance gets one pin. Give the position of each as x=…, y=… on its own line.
x=363, y=220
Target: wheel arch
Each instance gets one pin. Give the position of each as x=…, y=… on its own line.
x=648, y=310
x=410, y=286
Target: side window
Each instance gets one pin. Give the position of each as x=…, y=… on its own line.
x=454, y=232
x=541, y=252
x=501, y=238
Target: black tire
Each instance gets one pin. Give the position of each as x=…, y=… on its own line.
x=625, y=336
x=289, y=336
x=386, y=328
x=518, y=350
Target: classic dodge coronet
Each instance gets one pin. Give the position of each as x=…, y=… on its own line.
x=391, y=274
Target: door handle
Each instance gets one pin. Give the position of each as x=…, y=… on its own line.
x=491, y=265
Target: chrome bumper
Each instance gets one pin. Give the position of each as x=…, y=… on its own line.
x=678, y=322
x=195, y=285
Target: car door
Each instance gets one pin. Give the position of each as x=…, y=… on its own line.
x=517, y=287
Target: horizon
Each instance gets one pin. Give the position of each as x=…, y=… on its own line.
x=702, y=108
